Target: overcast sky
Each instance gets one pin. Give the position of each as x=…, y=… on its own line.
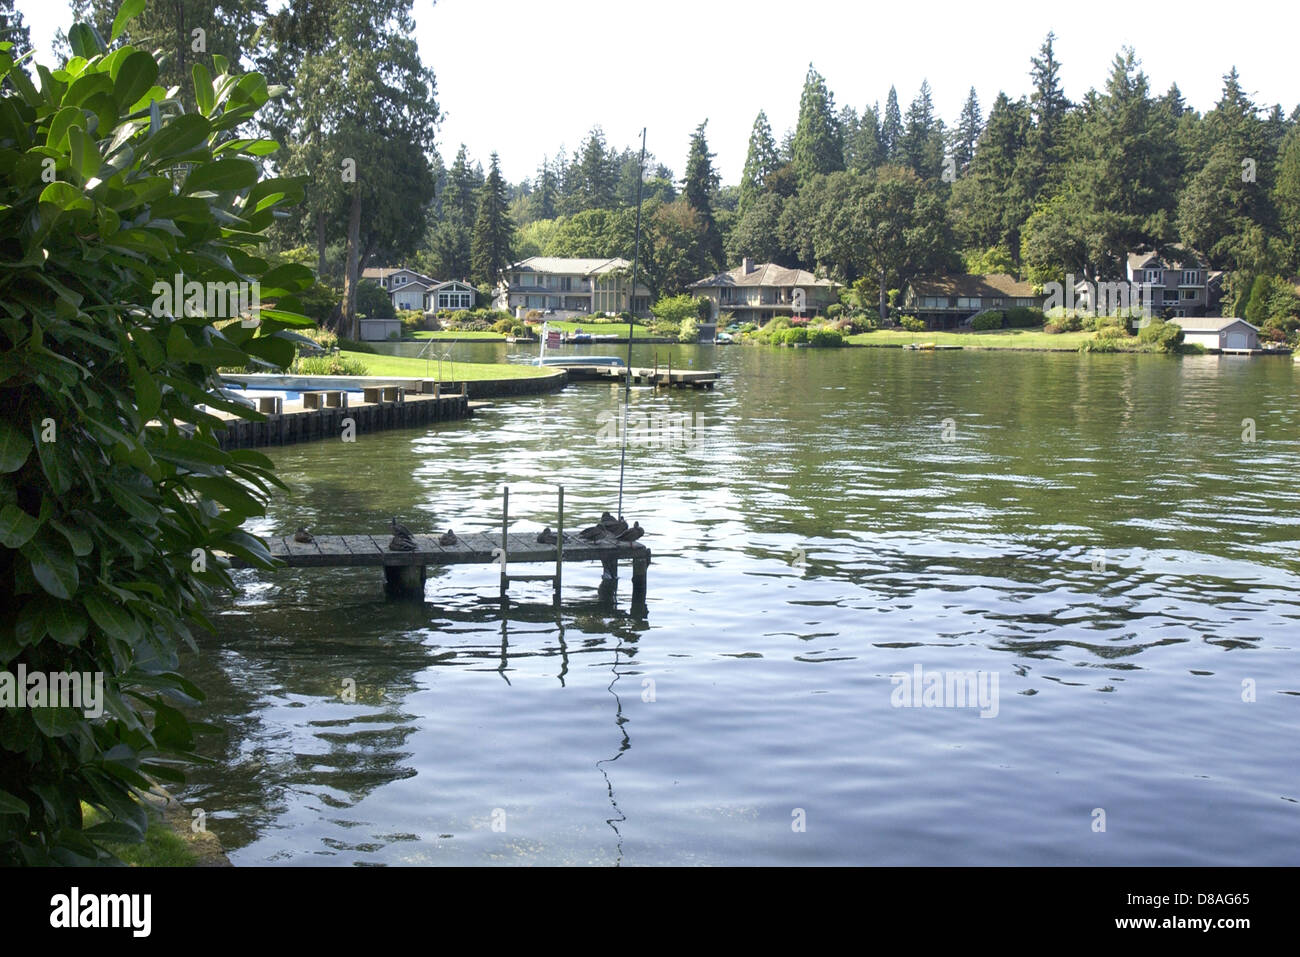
x=524, y=78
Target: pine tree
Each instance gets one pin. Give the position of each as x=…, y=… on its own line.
x=989, y=204
x=493, y=229
x=1286, y=196
x=760, y=161
x=967, y=134
x=891, y=128
x=545, y=189
x=818, y=147
x=868, y=153
x=1047, y=110
x=594, y=176
x=920, y=148
x=698, y=187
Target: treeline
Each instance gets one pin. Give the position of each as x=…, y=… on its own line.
x=1039, y=187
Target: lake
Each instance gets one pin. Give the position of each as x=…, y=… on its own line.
x=904, y=608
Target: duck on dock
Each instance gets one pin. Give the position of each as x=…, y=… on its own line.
x=304, y=536
x=449, y=538
x=400, y=530
x=631, y=534
x=546, y=536
x=399, y=544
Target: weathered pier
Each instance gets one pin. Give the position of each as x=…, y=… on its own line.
x=405, y=572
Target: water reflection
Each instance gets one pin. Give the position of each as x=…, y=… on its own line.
x=1096, y=532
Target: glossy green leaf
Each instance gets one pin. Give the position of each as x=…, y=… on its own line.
x=14, y=448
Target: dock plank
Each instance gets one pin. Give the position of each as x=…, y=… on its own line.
x=472, y=548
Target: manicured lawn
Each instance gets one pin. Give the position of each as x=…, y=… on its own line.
x=995, y=339
x=426, y=334
x=451, y=371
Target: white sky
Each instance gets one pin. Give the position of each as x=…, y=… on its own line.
x=523, y=77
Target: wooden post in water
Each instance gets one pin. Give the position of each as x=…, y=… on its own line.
x=639, y=567
x=505, y=527
x=559, y=547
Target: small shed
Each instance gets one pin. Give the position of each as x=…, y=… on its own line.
x=1219, y=333
x=374, y=330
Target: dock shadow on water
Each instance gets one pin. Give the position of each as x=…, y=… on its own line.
x=981, y=609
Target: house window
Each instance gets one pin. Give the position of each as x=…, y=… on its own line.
x=400, y=280
x=566, y=283
x=1154, y=275
x=1191, y=277
x=969, y=302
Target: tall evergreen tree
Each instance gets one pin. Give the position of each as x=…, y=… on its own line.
x=545, y=192
x=493, y=229
x=818, y=147
x=1286, y=196
x=990, y=204
x=868, y=153
x=966, y=135
x=891, y=127
x=594, y=176
x=920, y=148
x=760, y=161
x=698, y=187
x=1042, y=161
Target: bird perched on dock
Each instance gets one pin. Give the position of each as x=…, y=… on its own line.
x=304, y=536
x=399, y=544
x=400, y=530
x=448, y=539
x=615, y=526
x=632, y=534
x=594, y=534
x=546, y=536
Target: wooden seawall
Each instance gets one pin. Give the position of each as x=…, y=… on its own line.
x=301, y=425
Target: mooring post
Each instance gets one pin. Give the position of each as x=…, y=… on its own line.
x=405, y=580
x=505, y=525
x=608, y=590
x=639, y=567
x=559, y=546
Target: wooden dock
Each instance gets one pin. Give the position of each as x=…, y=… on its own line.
x=405, y=572
x=660, y=377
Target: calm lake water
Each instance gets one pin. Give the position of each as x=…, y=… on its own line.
x=1095, y=533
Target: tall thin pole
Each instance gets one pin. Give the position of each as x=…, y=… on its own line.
x=627, y=387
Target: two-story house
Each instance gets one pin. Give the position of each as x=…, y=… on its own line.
x=760, y=292
x=412, y=290
x=571, y=286
x=944, y=302
x=1178, y=282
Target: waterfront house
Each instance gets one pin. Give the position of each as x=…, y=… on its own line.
x=757, y=293
x=412, y=290
x=1219, y=333
x=945, y=302
x=1178, y=280
x=571, y=287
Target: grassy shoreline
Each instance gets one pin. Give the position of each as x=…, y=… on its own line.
x=410, y=368
x=1023, y=339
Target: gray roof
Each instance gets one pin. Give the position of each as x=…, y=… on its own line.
x=1208, y=323
x=767, y=274
x=564, y=266
x=1178, y=257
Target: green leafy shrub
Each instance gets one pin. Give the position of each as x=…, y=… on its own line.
x=116, y=500
x=991, y=319
x=793, y=336
x=328, y=365
x=503, y=326
x=1023, y=317
x=834, y=311
x=373, y=302
x=912, y=324
x=825, y=339
x=319, y=302
x=1164, y=336
x=690, y=331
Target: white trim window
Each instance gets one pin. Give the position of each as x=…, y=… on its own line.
x=1154, y=275
x=1191, y=277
